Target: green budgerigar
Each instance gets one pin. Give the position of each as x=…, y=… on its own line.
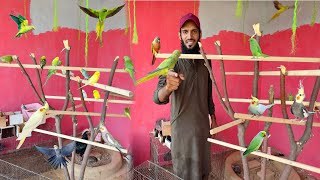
x=255, y=143
x=101, y=14
x=23, y=26
x=43, y=62
x=8, y=58
x=163, y=68
x=85, y=74
x=127, y=112
x=55, y=62
x=255, y=48
x=128, y=64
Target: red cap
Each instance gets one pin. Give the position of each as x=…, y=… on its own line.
x=190, y=17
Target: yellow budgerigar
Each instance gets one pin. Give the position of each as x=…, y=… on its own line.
x=93, y=79
x=96, y=94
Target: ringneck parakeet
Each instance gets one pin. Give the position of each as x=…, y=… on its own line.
x=84, y=73
x=163, y=68
x=96, y=94
x=255, y=143
x=43, y=62
x=280, y=9
x=34, y=121
x=155, y=48
x=57, y=155
x=255, y=48
x=8, y=58
x=23, y=26
x=55, y=62
x=128, y=64
x=257, y=109
x=127, y=112
x=101, y=15
x=93, y=79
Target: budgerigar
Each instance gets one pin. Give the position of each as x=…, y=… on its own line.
x=57, y=155
x=43, y=62
x=255, y=48
x=101, y=15
x=93, y=79
x=23, y=26
x=155, y=48
x=85, y=74
x=280, y=9
x=163, y=68
x=127, y=112
x=255, y=143
x=258, y=109
x=55, y=62
x=34, y=121
x=128, y=64
x=8, y=58
x=96, y=94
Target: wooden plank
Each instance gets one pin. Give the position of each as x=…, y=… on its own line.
x=263, y=101
x=55, y=112
x=92, y=100
x=277, y=73
x=268, y=156
x=226, y=126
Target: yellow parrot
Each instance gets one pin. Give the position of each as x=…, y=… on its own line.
x=280, y=9
x=96, y=94
x=34, y=121
x=93, y=79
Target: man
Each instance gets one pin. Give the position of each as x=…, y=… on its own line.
x=190, y=88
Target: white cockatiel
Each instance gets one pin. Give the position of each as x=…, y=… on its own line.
x=34, y=121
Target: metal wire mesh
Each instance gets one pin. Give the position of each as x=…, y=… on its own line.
x=160, y=154
x=11, y=171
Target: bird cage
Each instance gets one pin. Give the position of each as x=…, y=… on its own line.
x=159, y=153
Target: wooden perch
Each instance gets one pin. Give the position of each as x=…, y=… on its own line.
x=104, y=87
x=277, y=73
x=275, y=158
x=82, y=113
x=267, y=102
x=93, y=100
x=32, y=66
x=244, y=58
x=272, y=119
x=226, y=126
x=105, y=146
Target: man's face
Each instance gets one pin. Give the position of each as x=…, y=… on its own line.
x=189, y=34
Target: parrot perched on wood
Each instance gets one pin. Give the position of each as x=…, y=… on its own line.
x=55, y=62
x=257, y=109
x=101, y=15
x=96, y=94
x=85, y=74
x=107, y=137
x=255, y=143
x=255, y=48
x=8, y=58
x=43, y=62
x=127, y=112
x=163, y=68
x=57, y=155
x=93, y=79
x=155, y=48
x=23, y=26
x=280, y=9
x=34, y=121
x=128, y=64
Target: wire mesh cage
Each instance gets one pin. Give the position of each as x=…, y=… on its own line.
x=160, y=154
x=11, y=171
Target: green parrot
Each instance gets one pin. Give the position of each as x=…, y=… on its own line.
x=255, y=143
x=101, y=14
x=127, y=112
x=255, y=48
x=43, y=62
x=23, y=26
x=55, y=62
x=129, y=67
x=84, y=73
x=163, y=68
x=8, y=58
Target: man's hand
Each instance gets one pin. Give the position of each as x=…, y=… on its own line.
x=173, y=80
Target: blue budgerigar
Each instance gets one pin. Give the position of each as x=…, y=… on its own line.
x=258, y=109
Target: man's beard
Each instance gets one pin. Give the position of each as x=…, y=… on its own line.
x=194, y=50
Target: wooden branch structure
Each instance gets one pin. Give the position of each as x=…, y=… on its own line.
x=272, y=119
x=264, y=155
x=104, y=87
x=93, y=100
x=105, y=146
x=277, y=73
x=267, y=101
x=32, y=66
x=244, y=58
x=226, y=126
x=55, y=112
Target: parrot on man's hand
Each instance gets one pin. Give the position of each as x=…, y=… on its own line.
x=258, y=109
x=280, y=9
x=55, y=62
x=128, y=64
x=101, y=15
x=23, y=26
x=96, y=94
x=127, y=112
x=93, y=79
x=155, y=48
x=8, y=58
x=43, y=62
x=255, y=143
x=255, y=48
x=57, y=155
x=34, y=121
x=84, y=73
x=163, y=68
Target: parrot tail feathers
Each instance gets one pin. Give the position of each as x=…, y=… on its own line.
x=21, y=142
x=270, y=105
x=153, y=60
x=246, y=153
x=152, y=75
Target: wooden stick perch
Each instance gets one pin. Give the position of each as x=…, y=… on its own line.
x=244, y=58
x=263, y=101
x=275, y=158
x=93, y=100
x=80, y=140
x=82, y=113
x=277, y=73
x=272, y=119
x=226, y=126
